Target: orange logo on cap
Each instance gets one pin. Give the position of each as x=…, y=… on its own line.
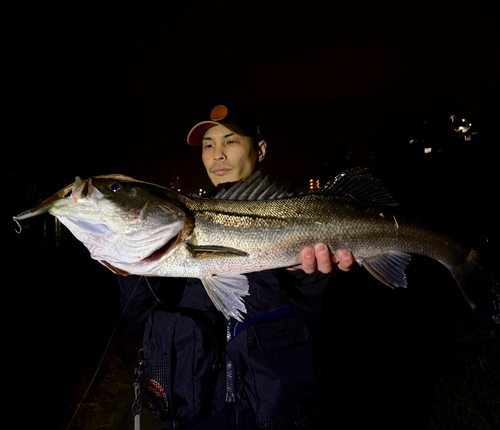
x=218, y=112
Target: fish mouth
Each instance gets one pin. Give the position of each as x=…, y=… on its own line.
x=76, y=190
x=80, y=189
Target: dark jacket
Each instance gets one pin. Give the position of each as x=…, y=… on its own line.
x=274, y=354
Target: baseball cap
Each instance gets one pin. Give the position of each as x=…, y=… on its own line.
x=235, y=116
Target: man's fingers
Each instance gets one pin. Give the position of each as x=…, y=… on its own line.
x=323, y=258
x=320, y=258
x=345, y=260
x=308, y=260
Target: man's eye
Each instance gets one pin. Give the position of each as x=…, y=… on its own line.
x=230, y=142
x=208, y=146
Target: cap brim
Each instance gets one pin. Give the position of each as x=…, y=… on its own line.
x=195, y=136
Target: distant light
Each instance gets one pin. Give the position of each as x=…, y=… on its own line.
x=314, y=184
x=427, y=150
x=412, y=141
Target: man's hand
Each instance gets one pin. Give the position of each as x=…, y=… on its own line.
x=320, y=258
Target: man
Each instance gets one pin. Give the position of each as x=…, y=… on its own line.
x=231, y=154
x=272, y=382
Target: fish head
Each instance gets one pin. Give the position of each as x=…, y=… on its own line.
x=123, y=222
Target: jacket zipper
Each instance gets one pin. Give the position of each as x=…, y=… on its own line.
x=229, y=369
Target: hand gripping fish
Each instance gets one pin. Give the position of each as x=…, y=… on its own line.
x=134, y=227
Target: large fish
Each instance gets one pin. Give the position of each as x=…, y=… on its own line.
x=134, y=227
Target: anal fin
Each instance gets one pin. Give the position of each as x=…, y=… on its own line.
x=389, y=268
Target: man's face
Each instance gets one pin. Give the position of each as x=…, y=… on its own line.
x=228, y=156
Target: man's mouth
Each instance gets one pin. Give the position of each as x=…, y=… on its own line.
x=219, y=171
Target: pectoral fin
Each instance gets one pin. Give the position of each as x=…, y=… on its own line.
x=203, y=250
x=226, y=293
x=389, y=268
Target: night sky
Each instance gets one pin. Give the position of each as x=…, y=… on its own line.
x=97, y=90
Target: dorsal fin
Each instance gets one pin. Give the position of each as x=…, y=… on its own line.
x=256, y=187
x=357, y=184
x=354, y=183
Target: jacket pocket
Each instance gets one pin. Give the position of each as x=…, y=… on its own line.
x=275, y=359
x=181, y=365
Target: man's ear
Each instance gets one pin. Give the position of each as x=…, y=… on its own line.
x=262, y=150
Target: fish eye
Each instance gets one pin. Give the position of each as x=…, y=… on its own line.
x=115, y=186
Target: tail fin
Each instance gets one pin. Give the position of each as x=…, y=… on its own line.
x=480, y=285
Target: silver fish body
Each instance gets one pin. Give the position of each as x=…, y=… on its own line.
x=137, y=228
x=271, y=233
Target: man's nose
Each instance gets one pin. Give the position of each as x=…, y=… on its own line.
x=219, y=154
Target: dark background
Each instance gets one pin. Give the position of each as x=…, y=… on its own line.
x=93, y=89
